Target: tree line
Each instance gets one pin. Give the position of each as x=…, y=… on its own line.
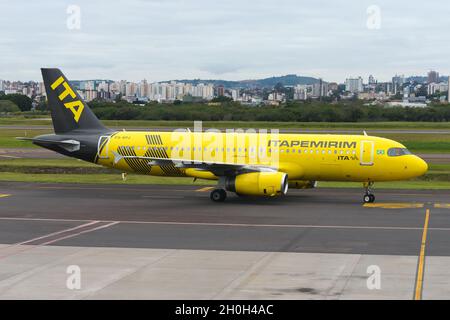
x=350, y=111
x=225, y=110
x=15, y=102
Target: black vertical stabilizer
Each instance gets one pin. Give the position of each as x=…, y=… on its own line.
x=69, y=111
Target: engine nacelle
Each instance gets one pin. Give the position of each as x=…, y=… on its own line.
x=302, y=184
x=258, y=184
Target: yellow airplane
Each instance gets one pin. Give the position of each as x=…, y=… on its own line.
x=246, y=163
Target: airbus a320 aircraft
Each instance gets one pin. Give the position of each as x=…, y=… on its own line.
x=256, y=164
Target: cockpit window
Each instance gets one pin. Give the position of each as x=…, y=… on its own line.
x=395, y=152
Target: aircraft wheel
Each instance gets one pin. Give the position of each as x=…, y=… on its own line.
x=218, y=195
x=369, y=198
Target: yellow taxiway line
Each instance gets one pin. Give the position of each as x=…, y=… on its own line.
x=421, y=263
x=393, y=205
x=204, y=189
x=2, y=195
x=442, y=205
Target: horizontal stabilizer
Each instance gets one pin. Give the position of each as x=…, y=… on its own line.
x=69, y=145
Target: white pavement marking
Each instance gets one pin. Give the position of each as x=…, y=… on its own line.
x=81, y=232
x=13, y=157
x=56, y=233
x=218, y=224
x=20, y=247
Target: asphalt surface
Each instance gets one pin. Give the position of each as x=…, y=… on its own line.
x=29, y=153
x=172, y=242
x=183, y=217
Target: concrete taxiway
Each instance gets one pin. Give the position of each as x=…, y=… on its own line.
x=157, y=242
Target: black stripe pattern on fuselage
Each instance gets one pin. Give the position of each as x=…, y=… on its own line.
x=155, y=149
x=137, y=165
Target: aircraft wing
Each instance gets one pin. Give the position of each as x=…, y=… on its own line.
x=217, y=168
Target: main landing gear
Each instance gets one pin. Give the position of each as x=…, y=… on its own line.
x=218, y=195
x=369, y=197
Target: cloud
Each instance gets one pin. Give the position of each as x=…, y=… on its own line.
x=233, y=39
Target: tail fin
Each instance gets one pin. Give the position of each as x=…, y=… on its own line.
x=69, y=111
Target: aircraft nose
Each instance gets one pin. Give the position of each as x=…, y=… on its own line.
x=420, y=166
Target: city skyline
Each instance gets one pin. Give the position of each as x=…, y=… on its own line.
x=233, y=40
x=414, y=91
x=367, y=79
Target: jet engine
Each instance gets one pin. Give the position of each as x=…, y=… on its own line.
x=258, y=184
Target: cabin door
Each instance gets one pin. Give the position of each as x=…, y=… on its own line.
x=367, y=153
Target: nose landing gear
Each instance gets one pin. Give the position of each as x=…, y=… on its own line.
x=369, y=197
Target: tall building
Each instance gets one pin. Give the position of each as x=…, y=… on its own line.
x=235, y=94
x=398, y=80
x=386, y=87
x=301, y=92
x=319, y=89
x=130, y=89
x=123, y=87
x=333, y=86
x=220, y=91
x=433, y=88
x=448, y=90
x=354, y=85
x=372, y=80
x=42, y=89
x=397, y=83
x=143, y=89
x=433, y=76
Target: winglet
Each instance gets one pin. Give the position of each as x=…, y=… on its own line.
x=365, y=133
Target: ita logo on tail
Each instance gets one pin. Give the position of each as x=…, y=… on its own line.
x=75, y=106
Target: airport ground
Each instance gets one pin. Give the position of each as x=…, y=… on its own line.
x=158, y=242
x=138, y=239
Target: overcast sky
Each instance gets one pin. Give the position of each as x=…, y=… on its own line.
x=229, y=39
